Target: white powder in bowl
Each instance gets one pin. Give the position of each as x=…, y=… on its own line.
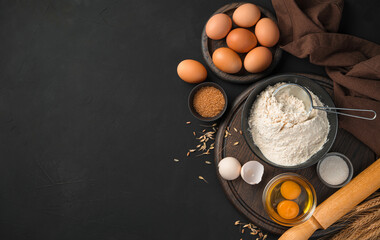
x=283, y=130
x=334, y=170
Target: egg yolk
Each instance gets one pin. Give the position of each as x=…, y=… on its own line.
x=288, y=209
x=290, y=190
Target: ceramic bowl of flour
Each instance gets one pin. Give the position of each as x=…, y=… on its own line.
x=301, y=137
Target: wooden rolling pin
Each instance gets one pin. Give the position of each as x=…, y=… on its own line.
x=338, y=204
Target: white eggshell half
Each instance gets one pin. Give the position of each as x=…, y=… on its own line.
x=252, y=172
x=229, y=168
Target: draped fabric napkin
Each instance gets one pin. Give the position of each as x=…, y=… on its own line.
x=308, y=29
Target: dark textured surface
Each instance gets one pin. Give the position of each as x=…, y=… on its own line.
x=92, y=114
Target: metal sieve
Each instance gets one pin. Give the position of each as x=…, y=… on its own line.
x=303, y=94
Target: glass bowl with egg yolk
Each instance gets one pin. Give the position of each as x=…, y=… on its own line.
x=289, y=199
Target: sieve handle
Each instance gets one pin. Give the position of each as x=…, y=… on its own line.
x=331, y=110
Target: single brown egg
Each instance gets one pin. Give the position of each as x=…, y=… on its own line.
x=218, y=26
x=227, y=60
x=191, y=71
x=267, y=32
x=258, y=59
x=246, y=15
x=241, y=40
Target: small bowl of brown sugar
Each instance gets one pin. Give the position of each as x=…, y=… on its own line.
x=207, y=101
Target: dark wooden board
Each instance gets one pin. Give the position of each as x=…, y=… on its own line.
x=209, y=46
x=247, y=198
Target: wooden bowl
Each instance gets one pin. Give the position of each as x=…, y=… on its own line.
x=243, y=76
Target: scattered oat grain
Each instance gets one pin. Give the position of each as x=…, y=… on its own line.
x=251, y=227
x=202, y=178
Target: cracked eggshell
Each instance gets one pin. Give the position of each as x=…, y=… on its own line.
x=229, y=168
x=252, y=172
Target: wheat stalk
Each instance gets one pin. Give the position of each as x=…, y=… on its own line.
x=372, y=232
x=360, y=228
x=363, y=222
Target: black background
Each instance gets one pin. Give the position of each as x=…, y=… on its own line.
x=92, y=114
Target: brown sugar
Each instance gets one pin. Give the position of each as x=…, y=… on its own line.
x=209, y=101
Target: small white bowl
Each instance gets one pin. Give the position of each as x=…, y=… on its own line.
x=350, y=169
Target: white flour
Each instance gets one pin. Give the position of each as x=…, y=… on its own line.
x=283, y=131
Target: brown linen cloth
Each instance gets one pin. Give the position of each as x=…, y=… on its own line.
x=308, y=29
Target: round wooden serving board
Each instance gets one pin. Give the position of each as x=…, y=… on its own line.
x=247, y=198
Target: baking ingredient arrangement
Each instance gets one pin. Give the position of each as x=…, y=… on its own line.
x=286, y=130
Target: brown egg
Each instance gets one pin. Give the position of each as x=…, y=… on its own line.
x=227, y=60
x=191, y=71
x=241, y=40
x=258, y=59
x=267, y=32
x=246, y=15
x=218, y=26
